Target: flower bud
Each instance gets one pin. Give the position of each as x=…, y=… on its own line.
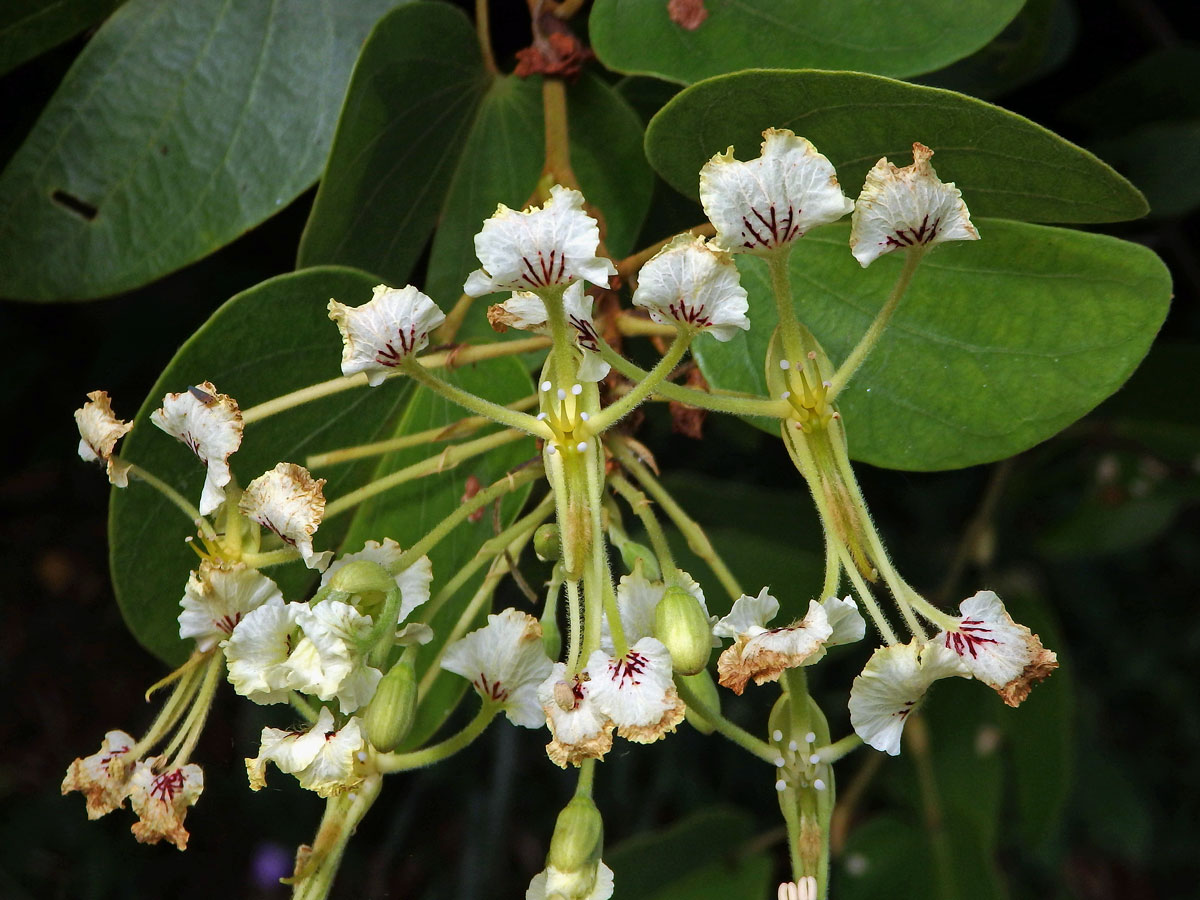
x=703, y=686
x=391, y=712
x=680, y=623
x=633, y=554
x=546, y=542
x=362, y=576
x=578, y=836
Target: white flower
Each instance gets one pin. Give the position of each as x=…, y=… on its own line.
x=216, y=599
x=506, y=662
x=103, y=777
x=413, y=582
x=763, y=653
x=891, y=685
x=538, y=248
x=580, y=730
x=692, y=284
x=637, y=600
x=553, y=884
x=763, y=204
x=908, y=207
x=527, y=311
x=288, y=501
x=998, y=651
x=636, y=691
x=322, y=758
x=258, y=649
x=99, y=431
x=379, y=335
x=210, y=423
x=161, y=801
x=328, y=662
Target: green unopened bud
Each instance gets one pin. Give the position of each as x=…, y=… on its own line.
x=702, y=685
x=633, y=554
x=578, y=836
x=680, y=623
x=547, y=543
x=362, y=577
x=390, y=713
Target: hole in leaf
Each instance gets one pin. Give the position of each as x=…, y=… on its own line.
x=81, y=208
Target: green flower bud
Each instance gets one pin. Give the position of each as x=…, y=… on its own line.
x=705, y=688
x=578, y=836
x=680, y=623
x=390, y=713
x=633, y=553
x=362, y=577
x=547, y=543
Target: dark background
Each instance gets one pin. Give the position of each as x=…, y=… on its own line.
x=1096, y=528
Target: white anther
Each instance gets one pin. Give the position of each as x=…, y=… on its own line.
x=362, y=756
x=815, y=758
x=793, y=746
x=784, y=364
x=781, y=785
x=584, y=416
x=352, y=796
x=780, y=762
x=577, y=390
x=785, y=395
x=827, y=384
x=551, y=449
x=777, y=735
x=581, y=446
x=810, y=737
x=818, y=784
x=806, y=888
x=546, y=385
x=541, y=417
x=562, y=395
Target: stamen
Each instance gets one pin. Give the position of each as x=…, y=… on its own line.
x=785, y=395
x=584, y=416
x=551, y=449
x=818, y=784
x=562, y=395
x=541, y=417
x=362, y=756
x=777, y=735
x=781, y=785
x=780, y=762
x=581, y=446
x=784, y=364
x=810, y=737
x=814, y=759
x=577, y=390
x=793, y=746
x=546, y=385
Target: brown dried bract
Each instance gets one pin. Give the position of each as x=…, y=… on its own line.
x=687, y=14
x=555, y=52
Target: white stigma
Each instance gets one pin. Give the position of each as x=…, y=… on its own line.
x=777, y=735
x=577, y=390
x=546, y=385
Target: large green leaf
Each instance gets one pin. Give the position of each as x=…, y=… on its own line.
x=1004, y=164
x=407, y=160
x=407, y=512
x=267, y=341
x=891, y=37
x=30, y=27
x=998, y=344
x=182, y=124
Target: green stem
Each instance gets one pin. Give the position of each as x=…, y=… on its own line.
x=574, y=628
x=175, y=498
x=270, y=557
x=613, y=413
x=562, y=341
x=448, y=459
x=193, y=725
x=864, y=594
x=833, y=572
x=483, y=34
x=172, y=709
x=831, y=753
x=494, y=411
x=727, y=729
x=640, y=504
x=587, y=776
x=696, y=539
x=912, y=258
x=342, y=815
x=400, y=762
x=302, y=706
x=598, y=593
x=781, y=289
x=734, y=404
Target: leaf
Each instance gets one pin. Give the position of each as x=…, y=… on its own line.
x=890, y=37
x=405, y=160
x=997, y=345
x=1004, y=164
x=408, y=511
x=182, y=124
x=246, y=353
x=705, y=845
x=28, y=28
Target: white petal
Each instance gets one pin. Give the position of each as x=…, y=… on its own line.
x=103, y=785
x=216, y=599
x=998, y=651
x=523, y=310
x=161, y=801
x=379, y=335
x=637, y=599
x=749, y=615
x=907, y=207
x=691, y=284
x=288, y=501
x=635, y=689
x=763, y=654
x=846, y=621
x=99, y=431
x=327, y=662
x=891, y=685
x=258, y=650
x=506, y=663
x=540, y=247
x=210, y=423
x=322, y=758
x=762, y=204
x=553, y=884
x=578, y=307
x=580, y=730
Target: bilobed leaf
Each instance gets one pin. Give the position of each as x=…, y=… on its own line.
x=30, y=27
x=890, y=37
x=408, y=511
x=182, y=124
x=997, y=345
x=406, y=160
x=264, y=342
x=1005, y=165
